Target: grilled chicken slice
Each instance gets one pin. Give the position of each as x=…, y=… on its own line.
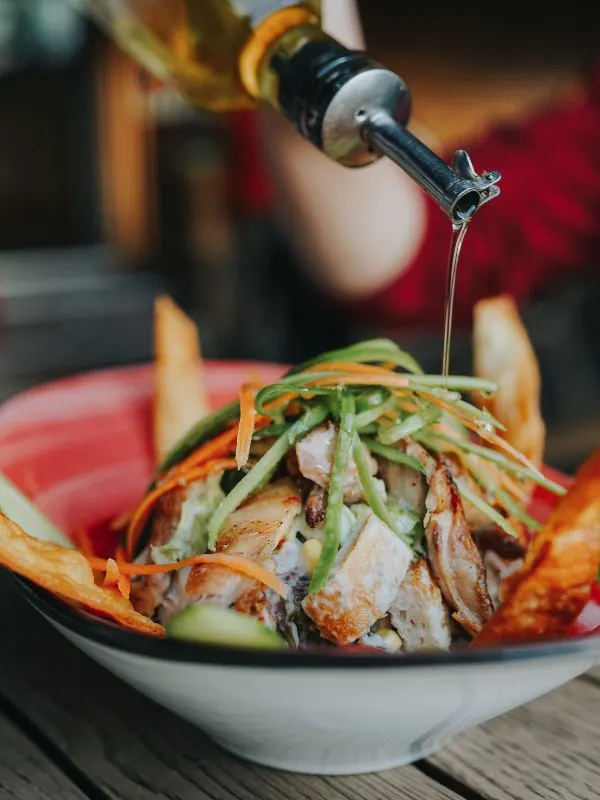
x=455, y=560
x=255, y=531
x=406, y=484
x=417, y=451
x=362, y=585
x=148, y=591
x=419, y=612
x=315, y=458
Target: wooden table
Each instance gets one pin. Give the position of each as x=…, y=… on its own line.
x=69, y=730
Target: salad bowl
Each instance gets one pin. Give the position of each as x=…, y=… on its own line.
x=81, y=450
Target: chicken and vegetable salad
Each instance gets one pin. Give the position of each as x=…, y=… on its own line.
x=355, y=502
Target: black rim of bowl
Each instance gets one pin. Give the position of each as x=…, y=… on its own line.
x=110, y=635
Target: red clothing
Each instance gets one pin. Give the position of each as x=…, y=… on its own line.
x=544, y=226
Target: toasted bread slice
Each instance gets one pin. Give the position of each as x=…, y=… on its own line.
x=503, y=353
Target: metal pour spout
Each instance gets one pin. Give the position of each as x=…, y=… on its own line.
x=355, y=111
x=458, y=190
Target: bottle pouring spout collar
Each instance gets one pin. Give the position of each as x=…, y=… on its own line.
x=474, y=190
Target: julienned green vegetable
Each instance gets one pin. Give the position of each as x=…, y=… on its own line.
x=410, y=425
x=372, y=495
x=335, y=495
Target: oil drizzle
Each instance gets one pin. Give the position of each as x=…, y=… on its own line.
x=459, y=231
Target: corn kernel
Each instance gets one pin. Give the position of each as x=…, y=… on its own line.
x=311, y=552
x=393, y=642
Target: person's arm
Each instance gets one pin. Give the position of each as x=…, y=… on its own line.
x=355, y=230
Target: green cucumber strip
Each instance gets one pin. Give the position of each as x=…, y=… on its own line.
x=203, y=430
x=492, y=455
x=373, y=350
x=335, y=494
x=392, y=454
x=276, y=429
x=19, y=509
x=486, y=508
x=371, y=399
x=515, y=509
x=372, y=496
x=209, y=624
x=503, y=496
x=370, y=415
x=457, y=383
x=410, y=425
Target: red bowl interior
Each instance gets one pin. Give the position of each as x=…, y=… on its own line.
x=81, y=448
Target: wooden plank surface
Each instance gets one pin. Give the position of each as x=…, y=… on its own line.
x=131, y=748
x=26, y=773
x=548, y=749
x=594, y=673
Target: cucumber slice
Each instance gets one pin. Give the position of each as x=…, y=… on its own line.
x=208, y=624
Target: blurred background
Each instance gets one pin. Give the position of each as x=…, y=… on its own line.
x=111, y=192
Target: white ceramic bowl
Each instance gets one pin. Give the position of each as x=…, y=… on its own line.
x=81, y=449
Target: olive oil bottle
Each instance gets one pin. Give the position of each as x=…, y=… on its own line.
x=222, y=55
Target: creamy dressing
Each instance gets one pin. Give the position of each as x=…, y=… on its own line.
x=191, y=531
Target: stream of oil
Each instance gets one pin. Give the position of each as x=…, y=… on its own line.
x=459, y=231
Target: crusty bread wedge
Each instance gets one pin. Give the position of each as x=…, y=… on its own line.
x=180, y=396
x=546, y=596
x=67, y=573
x=503, y=353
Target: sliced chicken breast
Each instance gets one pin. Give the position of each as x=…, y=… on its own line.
x=455, y=560
x=315, y=458
x=419, y=612
x=405, y=484
x=362, y=585
x=148, y=591
x=254, y=530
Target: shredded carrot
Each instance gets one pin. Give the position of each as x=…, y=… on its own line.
x=237, y=563
x=218, y=447
x=224, y=443
x=518, y=491
x=254, y=377
x=351, y=367
x=363, y=379
x=489, y=436
x=121, y=521
x=246, y=425
x=124, y=582
x=144, y=510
